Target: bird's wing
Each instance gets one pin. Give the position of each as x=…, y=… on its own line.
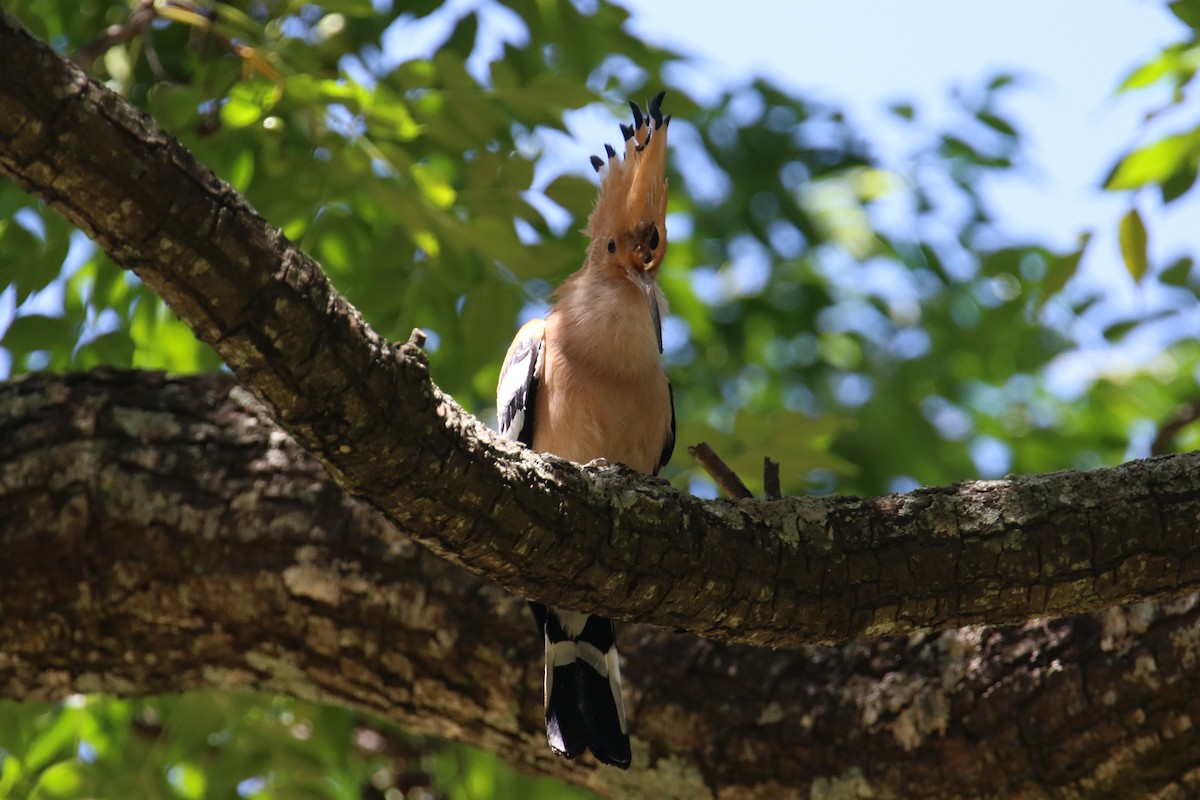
x=516, y=394
x=669, y=444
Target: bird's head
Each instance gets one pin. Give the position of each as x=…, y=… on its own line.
x=627, y=228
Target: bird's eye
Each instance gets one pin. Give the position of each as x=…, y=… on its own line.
x=654, y=238
x=612, y=246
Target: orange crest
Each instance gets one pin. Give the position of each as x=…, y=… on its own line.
x=633, y=189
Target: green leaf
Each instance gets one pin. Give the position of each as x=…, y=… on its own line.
x=1154, y=163
x=997, y=123
x=248, y=103
x=433, y=185
x=10, y=773
x=1119, y=330
x=241, y=172
x=1177, y=273
x=389, y=117
x=1062, y=269
x=573, y=193
x=113, y=349
x=360, y=8
x=34, y=332
x=26, y=260
x=1152, y=71
x=61, y=780
x=188, y=780
x=1001, y=80
x=55, y=743
x=161, y=341
x=840, y=350
x=1188, y=12
x=1133, y=238
x=1178, y=184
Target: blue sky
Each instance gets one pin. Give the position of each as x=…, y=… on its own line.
x=1071, y=56
x=862, y=54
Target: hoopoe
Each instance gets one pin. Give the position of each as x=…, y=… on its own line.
x=586, y=383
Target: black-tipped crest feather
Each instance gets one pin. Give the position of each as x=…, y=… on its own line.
x=637, y=114
x=656, y=108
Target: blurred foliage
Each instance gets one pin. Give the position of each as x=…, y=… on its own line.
x=219, y=745
x=872, y=327
x=1164, y=167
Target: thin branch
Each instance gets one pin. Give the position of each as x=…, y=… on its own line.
x=1184, y=416
x=726, y=479
x=116, y=34
x=184, y=12
x=771, y=489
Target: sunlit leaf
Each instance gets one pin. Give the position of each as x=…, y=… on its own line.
x=1133, y=238
x=242, y=172
x=54, y=743
x=60, y=780
x=1163, y=64
x=161, y=341
x=10, y=772
x=840, y=350
x=248, y=102
x=1155, y=162
x=187, y=779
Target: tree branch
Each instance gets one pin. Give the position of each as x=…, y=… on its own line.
x=1183, y=416
x=781, y=573
x=117, y=33
x=162, y=535
x=725, y=478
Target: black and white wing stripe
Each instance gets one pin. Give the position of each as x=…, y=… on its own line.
x=669, y=444
x=516, y=393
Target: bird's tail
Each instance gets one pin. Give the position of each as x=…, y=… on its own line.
x=584, y=709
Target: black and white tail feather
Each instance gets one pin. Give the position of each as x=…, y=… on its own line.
x=584, y=708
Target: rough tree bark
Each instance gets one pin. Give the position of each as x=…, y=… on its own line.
x=163, y=534
x=1072, y=707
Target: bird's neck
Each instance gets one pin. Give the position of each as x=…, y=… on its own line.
x=606, y=321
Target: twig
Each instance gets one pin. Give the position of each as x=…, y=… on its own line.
x=771, y=489
x=152, y=58
x=184, y=12
x=113, y=35
x=725, y=478
x=1184, y=415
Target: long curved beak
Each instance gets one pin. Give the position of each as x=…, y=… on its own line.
x=651, y=290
